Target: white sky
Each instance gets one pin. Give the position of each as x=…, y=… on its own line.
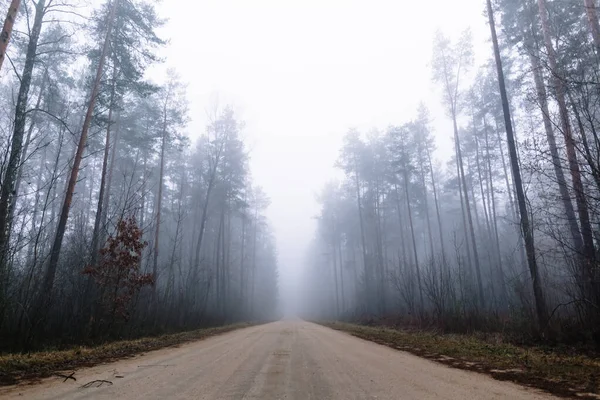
x=300, y=73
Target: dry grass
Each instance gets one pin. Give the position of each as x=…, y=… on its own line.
x=18, y=367
x=558, y=372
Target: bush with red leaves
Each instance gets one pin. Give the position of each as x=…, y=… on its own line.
x=118, y=272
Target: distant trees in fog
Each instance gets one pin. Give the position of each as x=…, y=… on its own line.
x=444, y=244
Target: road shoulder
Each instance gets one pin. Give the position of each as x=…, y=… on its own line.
x=558, y=373
x=28, y=368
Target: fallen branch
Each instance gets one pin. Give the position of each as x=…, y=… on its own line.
x=155, y=365
x=67, y=377
x=96, y=383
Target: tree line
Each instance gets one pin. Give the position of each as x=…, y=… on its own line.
x=112, y=223
x=505, y=234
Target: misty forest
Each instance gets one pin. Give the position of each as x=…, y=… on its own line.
x=114, y=223
x=502, y=237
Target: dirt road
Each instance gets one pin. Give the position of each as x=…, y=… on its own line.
x=282, y=360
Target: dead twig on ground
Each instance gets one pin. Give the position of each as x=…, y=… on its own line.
x=67, y=377
x=96, y=383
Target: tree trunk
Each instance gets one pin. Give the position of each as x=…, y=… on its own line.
x=475, y=209
x=13, y=204
x=540, y=303
x=111, y=168
x=161, y=175
x=211, y=181
x=227, y=259
x=509, y=186
x=341, y=272
x=556, y=161
x=468, y=213
x=355, y=276
x=426, y=204
x=414, y=242
x=7, y=191
x=494, y=217
x=510, y=190
x=219, y=265
x=36, y=203
x=50, y=273
x=143, y=202
x=400, y=224
x=380, y=259
x=170, y=289
x=9, y=22
x=464, y=221
x=335, y=275
x=560, y=92
x=203, y=223
x=480, y=177
x=437, y=207
x=99, y=210
x=242, y=259
x=24, y=154
x=253, y=270
x=592, y=16
x=362, y=232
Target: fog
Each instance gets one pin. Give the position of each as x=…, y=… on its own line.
x=302, y=73
x=173, y=165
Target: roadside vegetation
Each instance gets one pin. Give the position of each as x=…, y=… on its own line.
x=15, y=368
x=560, y=370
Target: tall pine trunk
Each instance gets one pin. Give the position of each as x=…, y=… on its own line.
x=494, y=217
x=464, y=221
x=7, y=28
x=253, y=269
x=414, y=242
x=426, y=205
x=540, y=303
x=48, y=279
x=592, y=16
x=565, y=196
x=380, y=257
x=209, y=188
x=400, y=224
x=242, y=259
x=510, y=190
x=99, y=209
x=469, y=227
x=335, y=274
x=7, y=191
x=341, y=261
x=161, y=175
x=109, y=177
x=437, y=206
x=481, y=190
x=25, y=153
x=560, y=92
x=362, y=233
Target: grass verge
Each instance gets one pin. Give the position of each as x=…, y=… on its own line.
x=15, y=368
x=557, y=372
